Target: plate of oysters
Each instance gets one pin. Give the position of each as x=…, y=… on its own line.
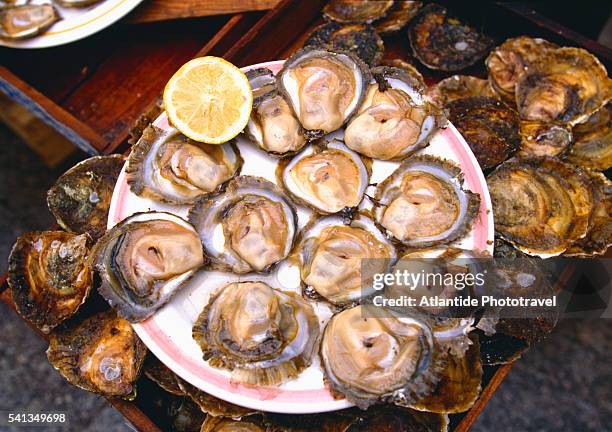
x=47, y=23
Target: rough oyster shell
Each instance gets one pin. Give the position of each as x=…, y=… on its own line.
x=566, y=85
x=361, y=39
x=403, y=11
x=393, y=120
x=26, y=20
x=444, y=43
x=592, y=146
x=329, y=178
x=342, y=75
x=49, y=276
x=423, y=179
x=248, y=228
x=166, y=166
x=490, y=128
x=273, y=126
x=408, y=68
x=144, y=260
x=101, y=354
x=509, y=61
x=363, y=11
x=80, y=198
x=265, y=336
x=543, y=139
x=370, y=355
x=330, y=253
x=220, y=424
x=458, y=87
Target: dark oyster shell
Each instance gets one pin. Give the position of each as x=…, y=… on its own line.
x=220, y=424
x=49, y=276
x=350, y=11
x=458, y=87
x=592, y=146
x=400, y=15
x=81, y=197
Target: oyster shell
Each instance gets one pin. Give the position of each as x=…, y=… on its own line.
x=265, y=336
x=220, y=424
x=157, y=372
x=408, y=68
x=490, y=128
x=567, y=85
x=328, y=178
x=458, y=87
x=324, y=88
x=444, y=43
x=273, y=126
x=543, y=139
x=361, y=39
x=592, y=146
x=330, y=254
x=248, y=228
x=423, y=204
x=385, y=418
x=403, y=11
x=27, y=20
x=509, y=61
x=49, y=276
x=100, y=354
x=394, y=120
x=81, y=197
x=362, y=11
x=371, y=356
x=541, y=205
x=186, y=416
x=144, y=260
x=167, y=166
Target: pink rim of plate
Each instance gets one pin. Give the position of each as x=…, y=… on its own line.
x=274, y=399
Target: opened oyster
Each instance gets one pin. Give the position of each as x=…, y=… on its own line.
x=400, y=15
x=101, y=354
x=371, y=356
x=592, y=146
x=49, y=276
x=265, y=336
x=27, y=20
x=273, y=125
x=509, y=61
x=567, y=85
x=323, y=88
x=423, y=203
x=167, y=166
x=326, y=177
x=248, y=228
x=81, y=197
x=490, y=128
x=361, y=39
x=144, y=260
x=540, y=205
x=394, y=120
x=458, y=87
x=363, y=11
x=543, y=139
x=444, y=43
x=338, y=258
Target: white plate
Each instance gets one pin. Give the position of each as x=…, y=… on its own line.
x=168, y=332
x=77, y=23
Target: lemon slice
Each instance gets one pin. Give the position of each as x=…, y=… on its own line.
x=209, y=100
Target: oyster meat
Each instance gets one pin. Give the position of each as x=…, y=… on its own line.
x=144, y=260
x=338, y=258
x=444, y=43
x=592, y=146
x=265, y=336
x=27, y=20
x=165, y=165
x=273, y=126
x=323, y=88
x=372, y=356
x=81, y=197
x=248, y=228
x=458, y=87
x=328, y=178
x=490, y=128
x=100, y=354
x=423, y=203
x=509, y=61
x=393, y=120
x=543, y=139
x=49, y=276
x=361, y=11
x=361, y=39
x=566, y=85
x=400, y=15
